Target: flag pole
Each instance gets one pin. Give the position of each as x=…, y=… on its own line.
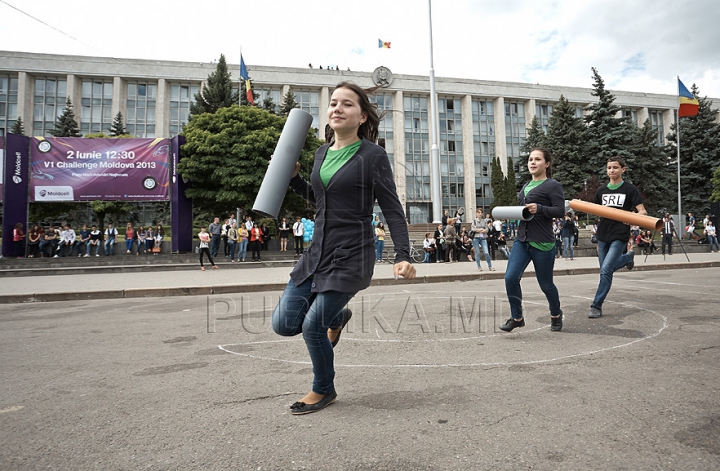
x=679, y=192
x=434, y=151
x=240, y=79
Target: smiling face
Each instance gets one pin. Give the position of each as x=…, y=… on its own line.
x=344, y=113
x=537, y=165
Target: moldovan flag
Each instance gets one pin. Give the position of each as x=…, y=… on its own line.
x=248, y=86
x=383, y=45
x=689, y=105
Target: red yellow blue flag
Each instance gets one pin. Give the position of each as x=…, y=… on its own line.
x=248, y=86
x=689, y=105
x=383, y=44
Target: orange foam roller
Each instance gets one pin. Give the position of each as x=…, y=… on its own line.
x=628, y=217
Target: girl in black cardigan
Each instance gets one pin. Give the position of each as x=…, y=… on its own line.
x=349, y=174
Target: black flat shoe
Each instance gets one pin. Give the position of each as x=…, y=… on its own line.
x=300, y=408
x=511, y=324
x=347, y=314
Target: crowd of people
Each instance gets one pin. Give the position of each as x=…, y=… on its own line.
x=64, y=241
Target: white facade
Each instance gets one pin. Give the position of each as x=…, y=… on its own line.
x=478, y=119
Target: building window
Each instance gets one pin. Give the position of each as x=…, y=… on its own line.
x=181, y=97
x=656, y=121
x=417, y=148
x=632, y=114
x=543, y=112
x=385, y=129
x=140, y=109
x=451, y=158
x=48, y=103
x=483, y=148
x=96, y=107
x=308, y=100
x=514, y=129
x=273, y=93
x=8, y=103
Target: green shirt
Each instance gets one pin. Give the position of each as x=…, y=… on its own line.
x=544, y=246
x=615, y=187
x=334, y=159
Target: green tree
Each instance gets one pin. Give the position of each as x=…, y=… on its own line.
x=65, y=125
x=565, y=139
x=699, y=157
x=607, y=135
x=269, y=105
x=535, y=137
x=18, y=127
x=502, y=187
x=650, y=173
x=243, y=94
x=103, y=209
x=510, y=184
x=288, y=103
x=227, y=153
x=217, y=92
x=715, y=196
x=117, y=128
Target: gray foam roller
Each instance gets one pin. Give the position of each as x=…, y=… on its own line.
x=512, y=212
x=282, y=165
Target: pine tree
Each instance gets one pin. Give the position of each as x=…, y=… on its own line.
x=117, y=128
x=65, y=125
x=699, y=157
x=510, y=185
x=497, y=183
x=565, y=139
x=288, y=103
x=607, y=135
x=535, y=138
x=216, y=93
x=650, y=172
x=269, y=105
x=18, y=127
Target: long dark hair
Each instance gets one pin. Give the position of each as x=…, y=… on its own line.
x=548, y=158
x=368, y=129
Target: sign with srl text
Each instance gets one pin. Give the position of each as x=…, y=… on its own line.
x=77, y=169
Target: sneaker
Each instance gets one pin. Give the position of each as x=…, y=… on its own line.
x=511, y=323
x=97, y=254
x=556, y=323
x=631, y=263
x=594, y=313
x=86, y=255
x=56, y=256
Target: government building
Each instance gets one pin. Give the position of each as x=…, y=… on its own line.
x=478, y=119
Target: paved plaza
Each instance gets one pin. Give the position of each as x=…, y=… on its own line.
x=425, y=380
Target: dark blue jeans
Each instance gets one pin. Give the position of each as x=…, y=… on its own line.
x=610, y=255
x=543, y=261
x=312, y=314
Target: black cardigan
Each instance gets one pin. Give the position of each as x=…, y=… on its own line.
x=550, y=199
x=341, y=256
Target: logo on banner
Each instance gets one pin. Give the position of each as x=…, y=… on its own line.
x=149, y=183
x=44, y=146
x=17, y=179
x=54, y=193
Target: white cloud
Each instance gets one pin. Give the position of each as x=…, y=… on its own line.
x=636, y=45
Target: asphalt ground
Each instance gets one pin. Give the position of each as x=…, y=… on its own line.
x=425, y=381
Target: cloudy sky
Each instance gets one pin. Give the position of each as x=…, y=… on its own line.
x=636, y=45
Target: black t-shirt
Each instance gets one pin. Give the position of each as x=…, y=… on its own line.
x=627, y=197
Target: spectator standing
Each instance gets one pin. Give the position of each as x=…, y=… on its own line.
x=255, y=242
x=298, y=231
x=283, y=231
x=667, y=232
x=429, y=247
x=265, y=231
x=691, y=226
x=19, y=240
x=232, y=236
x=243, y=238
x=379, y=241
x=711, y=232
x=224, y=236
x=94, y=242
x=110, y=235
x=567, y=232
x=204, y=243
x=458, y=221
x=215, y=231
x=34, y=238
x=439, y=244
x=481, y=229
x=445, y=217
x=450, y=236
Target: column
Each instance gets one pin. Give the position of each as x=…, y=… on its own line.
x=25, y=107
x=642, y=116
x=323, y=103
x=399, y=147
x=500, y=139
x=468, y=150
x=162, y=109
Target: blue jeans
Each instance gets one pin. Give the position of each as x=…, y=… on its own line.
x=128, y=244
x=379, y=246
x=543, y=261
x=712, y=239
x=477, y=243
x=242, y=249
x=568, y=246
x=312, y=314
x=610, y=255
x=215, y=245
x=110, y=246
x=231, y=248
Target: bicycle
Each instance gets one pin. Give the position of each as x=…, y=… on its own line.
x=415, y=254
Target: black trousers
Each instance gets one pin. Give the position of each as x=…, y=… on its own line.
x=298, y=245
x=205, y=250
x=667, y=239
